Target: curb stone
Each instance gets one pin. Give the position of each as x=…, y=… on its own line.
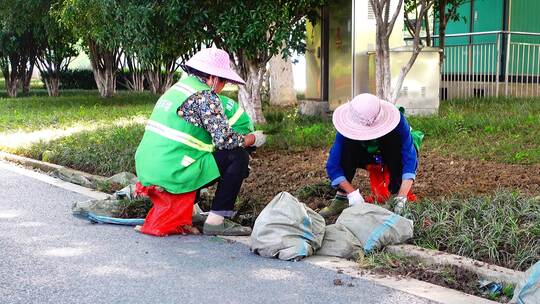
x=48, y=167
x=485, y=270
x=53, y=181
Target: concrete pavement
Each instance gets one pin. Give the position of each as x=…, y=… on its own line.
x=48, y=256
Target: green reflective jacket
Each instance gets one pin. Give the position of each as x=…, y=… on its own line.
x=175, y=154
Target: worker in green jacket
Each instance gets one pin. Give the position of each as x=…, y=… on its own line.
x=195, y=138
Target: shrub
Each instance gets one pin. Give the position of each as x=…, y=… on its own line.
x=81, y=79
x=76, y=79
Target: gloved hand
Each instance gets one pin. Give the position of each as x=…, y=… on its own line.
x=260, y=138
x=355, y=198
x=400, y=203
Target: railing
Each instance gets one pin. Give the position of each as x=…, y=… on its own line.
x=497, y=63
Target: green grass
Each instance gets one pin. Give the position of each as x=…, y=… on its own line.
x=72, y=108
x=104, y=151
x=500, y=130
x=291, y=131
x=502, y=229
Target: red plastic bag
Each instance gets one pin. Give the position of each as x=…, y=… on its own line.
x=379, y=179
x=169, y=211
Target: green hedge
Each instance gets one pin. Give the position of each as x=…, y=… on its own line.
x=84, y=80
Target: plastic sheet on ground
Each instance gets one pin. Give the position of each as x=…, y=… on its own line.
x=287, y=229
x=365, y=227
x=107, y=211
x=528, y=290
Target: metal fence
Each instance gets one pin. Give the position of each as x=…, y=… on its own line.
x=497, y=63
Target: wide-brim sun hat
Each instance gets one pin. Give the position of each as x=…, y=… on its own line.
x=366, y=117
x=214, y=61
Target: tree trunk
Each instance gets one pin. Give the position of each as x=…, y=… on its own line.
x=12, y=87
x=106, y=82
x=428, y=30
x=442, y=31
x=403, y=73
x=134, y=81
x=417, y=48
x=282, y=92
x=384, y=28
x=137, y=81
x=382, y=62
x=52, y=82
x=160, y=75
x=249, y=95
x=11, y=69
x=27, y=77
x=104, y=65
x=159, y=82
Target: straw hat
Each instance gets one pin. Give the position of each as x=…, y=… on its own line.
x=365, y=117
x=214, y=61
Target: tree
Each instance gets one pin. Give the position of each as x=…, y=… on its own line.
x=411, y=6
x=161, y=35
x=12, y=61
x=19, y=28
x=59, y=48
x=446, y=10
x=386, y=17
x=252, y=32
x=95, y=22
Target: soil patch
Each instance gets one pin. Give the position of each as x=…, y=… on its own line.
x=438, y=176
x=303, y=174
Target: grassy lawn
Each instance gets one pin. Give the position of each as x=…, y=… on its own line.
x=73, y=108
x=501, y=130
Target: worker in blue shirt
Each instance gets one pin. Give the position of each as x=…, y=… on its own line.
x=371, y=133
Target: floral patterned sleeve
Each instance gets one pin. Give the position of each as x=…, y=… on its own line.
x=204, y=110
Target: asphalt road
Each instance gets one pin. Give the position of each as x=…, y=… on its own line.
x=48, y=256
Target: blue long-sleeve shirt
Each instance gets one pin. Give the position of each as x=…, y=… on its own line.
x=409, y=158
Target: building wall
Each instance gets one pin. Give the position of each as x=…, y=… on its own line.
x=487, y=16
x=457, y=27
x=524, y=18
x=476, y=54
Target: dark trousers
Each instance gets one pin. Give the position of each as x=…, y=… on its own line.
x=233, y=168
x=355, y=155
